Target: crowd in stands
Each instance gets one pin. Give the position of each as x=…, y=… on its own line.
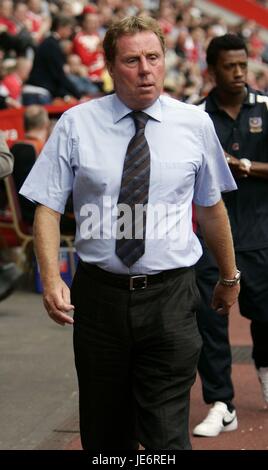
x=52, y=49
x=264, y=3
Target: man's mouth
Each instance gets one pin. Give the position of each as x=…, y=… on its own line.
x=145, y=85
x=238, y=83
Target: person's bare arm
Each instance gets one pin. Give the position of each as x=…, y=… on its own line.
x=257, y=169
x=215, y=227
x=56, y=294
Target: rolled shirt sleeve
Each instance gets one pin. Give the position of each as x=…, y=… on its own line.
x=214, y=175
x=51, y=179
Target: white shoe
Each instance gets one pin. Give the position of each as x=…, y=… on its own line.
x=263, y=378
x=218, y=420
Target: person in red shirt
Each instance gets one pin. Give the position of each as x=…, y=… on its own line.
x=14, y=81
x=6, y=22
x=88, y=45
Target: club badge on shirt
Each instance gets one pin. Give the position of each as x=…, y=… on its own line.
x=235, y=147
x=255, y=124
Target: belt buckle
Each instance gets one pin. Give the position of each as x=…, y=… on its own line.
x=133, y=279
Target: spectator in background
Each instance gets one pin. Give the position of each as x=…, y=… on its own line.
x=15, y=35
x=77, y=73
x=5, y=100
x=15, y=79
x=264, y=3
x=6, y=17
x=39, y=19
x=106, y=18
x=25, y=151
x=48, y=79
x=88, y=45
x=6, y=158
x=7, y=27
x=9, y=272
x=36, y=126
x=26, y=43
x=261, y=81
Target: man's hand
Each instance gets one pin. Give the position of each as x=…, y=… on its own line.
x=224, y=297
x=12, y=103
x=57, y=302
x=236, y=167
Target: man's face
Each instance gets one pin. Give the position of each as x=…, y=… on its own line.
x=138, y=70
x=230, y=72
x=65, y=32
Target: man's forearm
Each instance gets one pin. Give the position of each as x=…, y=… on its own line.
x=259, y=170
x=215, y=227
x=47, y=243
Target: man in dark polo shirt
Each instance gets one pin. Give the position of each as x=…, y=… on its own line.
x=240, y=117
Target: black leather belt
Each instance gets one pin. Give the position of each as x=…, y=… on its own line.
x=135, y=282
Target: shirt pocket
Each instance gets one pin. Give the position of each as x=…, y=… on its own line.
x=176, y=179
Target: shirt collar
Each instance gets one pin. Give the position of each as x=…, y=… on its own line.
x=251, y=97
x=120, y=110
x=212, y=106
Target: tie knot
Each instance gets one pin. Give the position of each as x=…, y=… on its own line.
x=140, y=119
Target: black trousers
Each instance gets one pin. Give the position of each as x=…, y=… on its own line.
x=136, y=355
x=215, y=360
x=259, y=334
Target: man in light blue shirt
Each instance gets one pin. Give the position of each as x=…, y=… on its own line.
x=135, y=336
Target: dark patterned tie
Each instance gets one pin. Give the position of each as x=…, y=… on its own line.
x=134, y=190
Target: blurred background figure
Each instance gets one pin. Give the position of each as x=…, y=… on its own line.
x=77, y=73
x=9, y=272
x=48, y=79
x=6, y=158
x=88, y=45
x=15, y=75
x=26, y=151
x=6, y=101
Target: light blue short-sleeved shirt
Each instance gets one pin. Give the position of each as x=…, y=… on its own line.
x=85, y=153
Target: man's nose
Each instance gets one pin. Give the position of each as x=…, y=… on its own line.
x=144, y=66
x=239, y=71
